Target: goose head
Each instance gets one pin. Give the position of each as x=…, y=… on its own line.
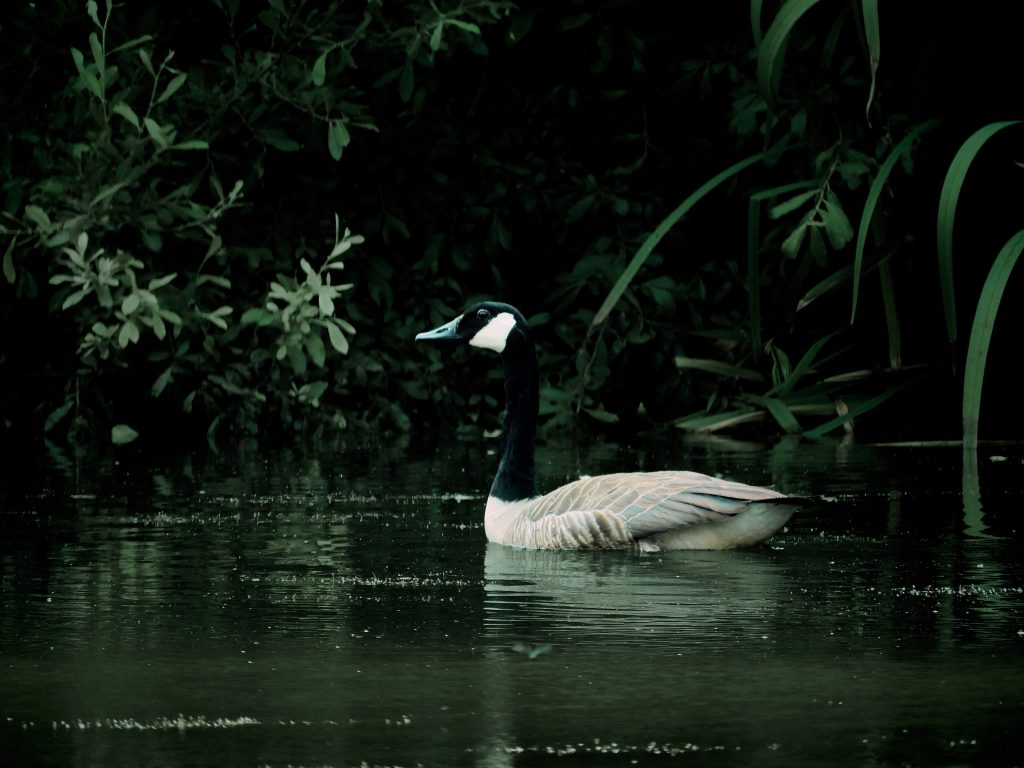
x=488, y=325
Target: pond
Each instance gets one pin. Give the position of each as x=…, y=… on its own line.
x=341, y=607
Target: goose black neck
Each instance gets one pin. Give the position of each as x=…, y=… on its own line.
x=516, y=478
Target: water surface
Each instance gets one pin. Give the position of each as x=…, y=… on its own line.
x=341, y=607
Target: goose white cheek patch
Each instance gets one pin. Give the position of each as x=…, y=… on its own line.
x=495, y=333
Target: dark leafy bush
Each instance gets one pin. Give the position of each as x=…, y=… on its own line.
x=709, y=221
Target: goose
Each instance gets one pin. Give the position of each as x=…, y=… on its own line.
x=648, y=511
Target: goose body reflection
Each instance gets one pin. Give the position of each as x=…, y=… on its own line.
x=650, y=511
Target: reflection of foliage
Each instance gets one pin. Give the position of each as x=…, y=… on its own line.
x=478, y=160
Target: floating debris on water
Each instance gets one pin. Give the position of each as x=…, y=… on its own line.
x=598, y=747
x=179, y=723
x=960, y=590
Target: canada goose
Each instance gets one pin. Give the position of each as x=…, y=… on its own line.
x=651, y=511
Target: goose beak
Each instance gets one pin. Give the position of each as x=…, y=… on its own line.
x=445, y=332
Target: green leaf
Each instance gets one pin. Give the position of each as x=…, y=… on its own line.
x=191, y=144
x=406, y=83
x=38, y=216
x=87, y=77
x=947, y=211
x=652, y=240
x=781, y=413
x=315, y=347
x=791, y=245
x=122, y=434
x=579, y=208
x=754, y=254
x=220, y=282
x=830, y=282
x=770, y=53
x=156, y=133
x=108, y=191
x=9, y=273
x=464, y=25
x=147, y=62
x=869, y=404
x=780, y=210
x=126, y=46
x=837, y=225
x=130, y=303
x=337, y=138
x=278, y=139
x=171, y=317
x=122, y=109
x=297, y=359
x=981, y=334
x=97, y=52
x=755, y=21
x=162, y=381
x=606, y=417
x=874, y=193
x=718, y=367
x=159, y=282
x=786, y=386
x=257, y=316
x=435, y=36
x=152, y=240
x=74, y=298
x=129, y=334
x=892, y=317
x=338, y=340
x=703, y=422
x=325, y=301
x=874, y=40
x=320, y=69
x=172, y=87
x=57, y=414
x=575, y=21
x=157, y=323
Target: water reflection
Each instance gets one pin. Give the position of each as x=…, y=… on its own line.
x=621, y=598
x=341, y=606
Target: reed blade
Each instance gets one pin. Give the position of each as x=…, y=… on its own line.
x=649, y=244
x=771, y=52
x=981, y=334
x=947, y=211
x=871, y=202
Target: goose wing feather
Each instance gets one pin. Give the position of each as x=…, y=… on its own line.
x=652, y=502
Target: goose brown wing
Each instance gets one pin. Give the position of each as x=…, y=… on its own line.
x=651, y=502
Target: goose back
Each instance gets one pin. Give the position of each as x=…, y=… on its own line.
x=651, y=510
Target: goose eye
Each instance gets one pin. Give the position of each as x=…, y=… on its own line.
x=483, y=314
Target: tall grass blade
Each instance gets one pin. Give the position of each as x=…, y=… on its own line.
x=781, y=413
x=753, y=256
x=871, y=202
x=981, y=334
x=870, y=404
x=892, y=316
x=717, y=421
x=947, y=210
x=660, y=231
x=874, y=40
x=755, y=21
x=770, y=53
x=719, y=368
x=838, y=277
x=784, y=387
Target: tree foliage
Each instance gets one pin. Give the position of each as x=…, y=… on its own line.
x=710, y=219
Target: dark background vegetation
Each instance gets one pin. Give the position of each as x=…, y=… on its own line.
x=486, y=149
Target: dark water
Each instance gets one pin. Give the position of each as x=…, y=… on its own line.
x=341, y=608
